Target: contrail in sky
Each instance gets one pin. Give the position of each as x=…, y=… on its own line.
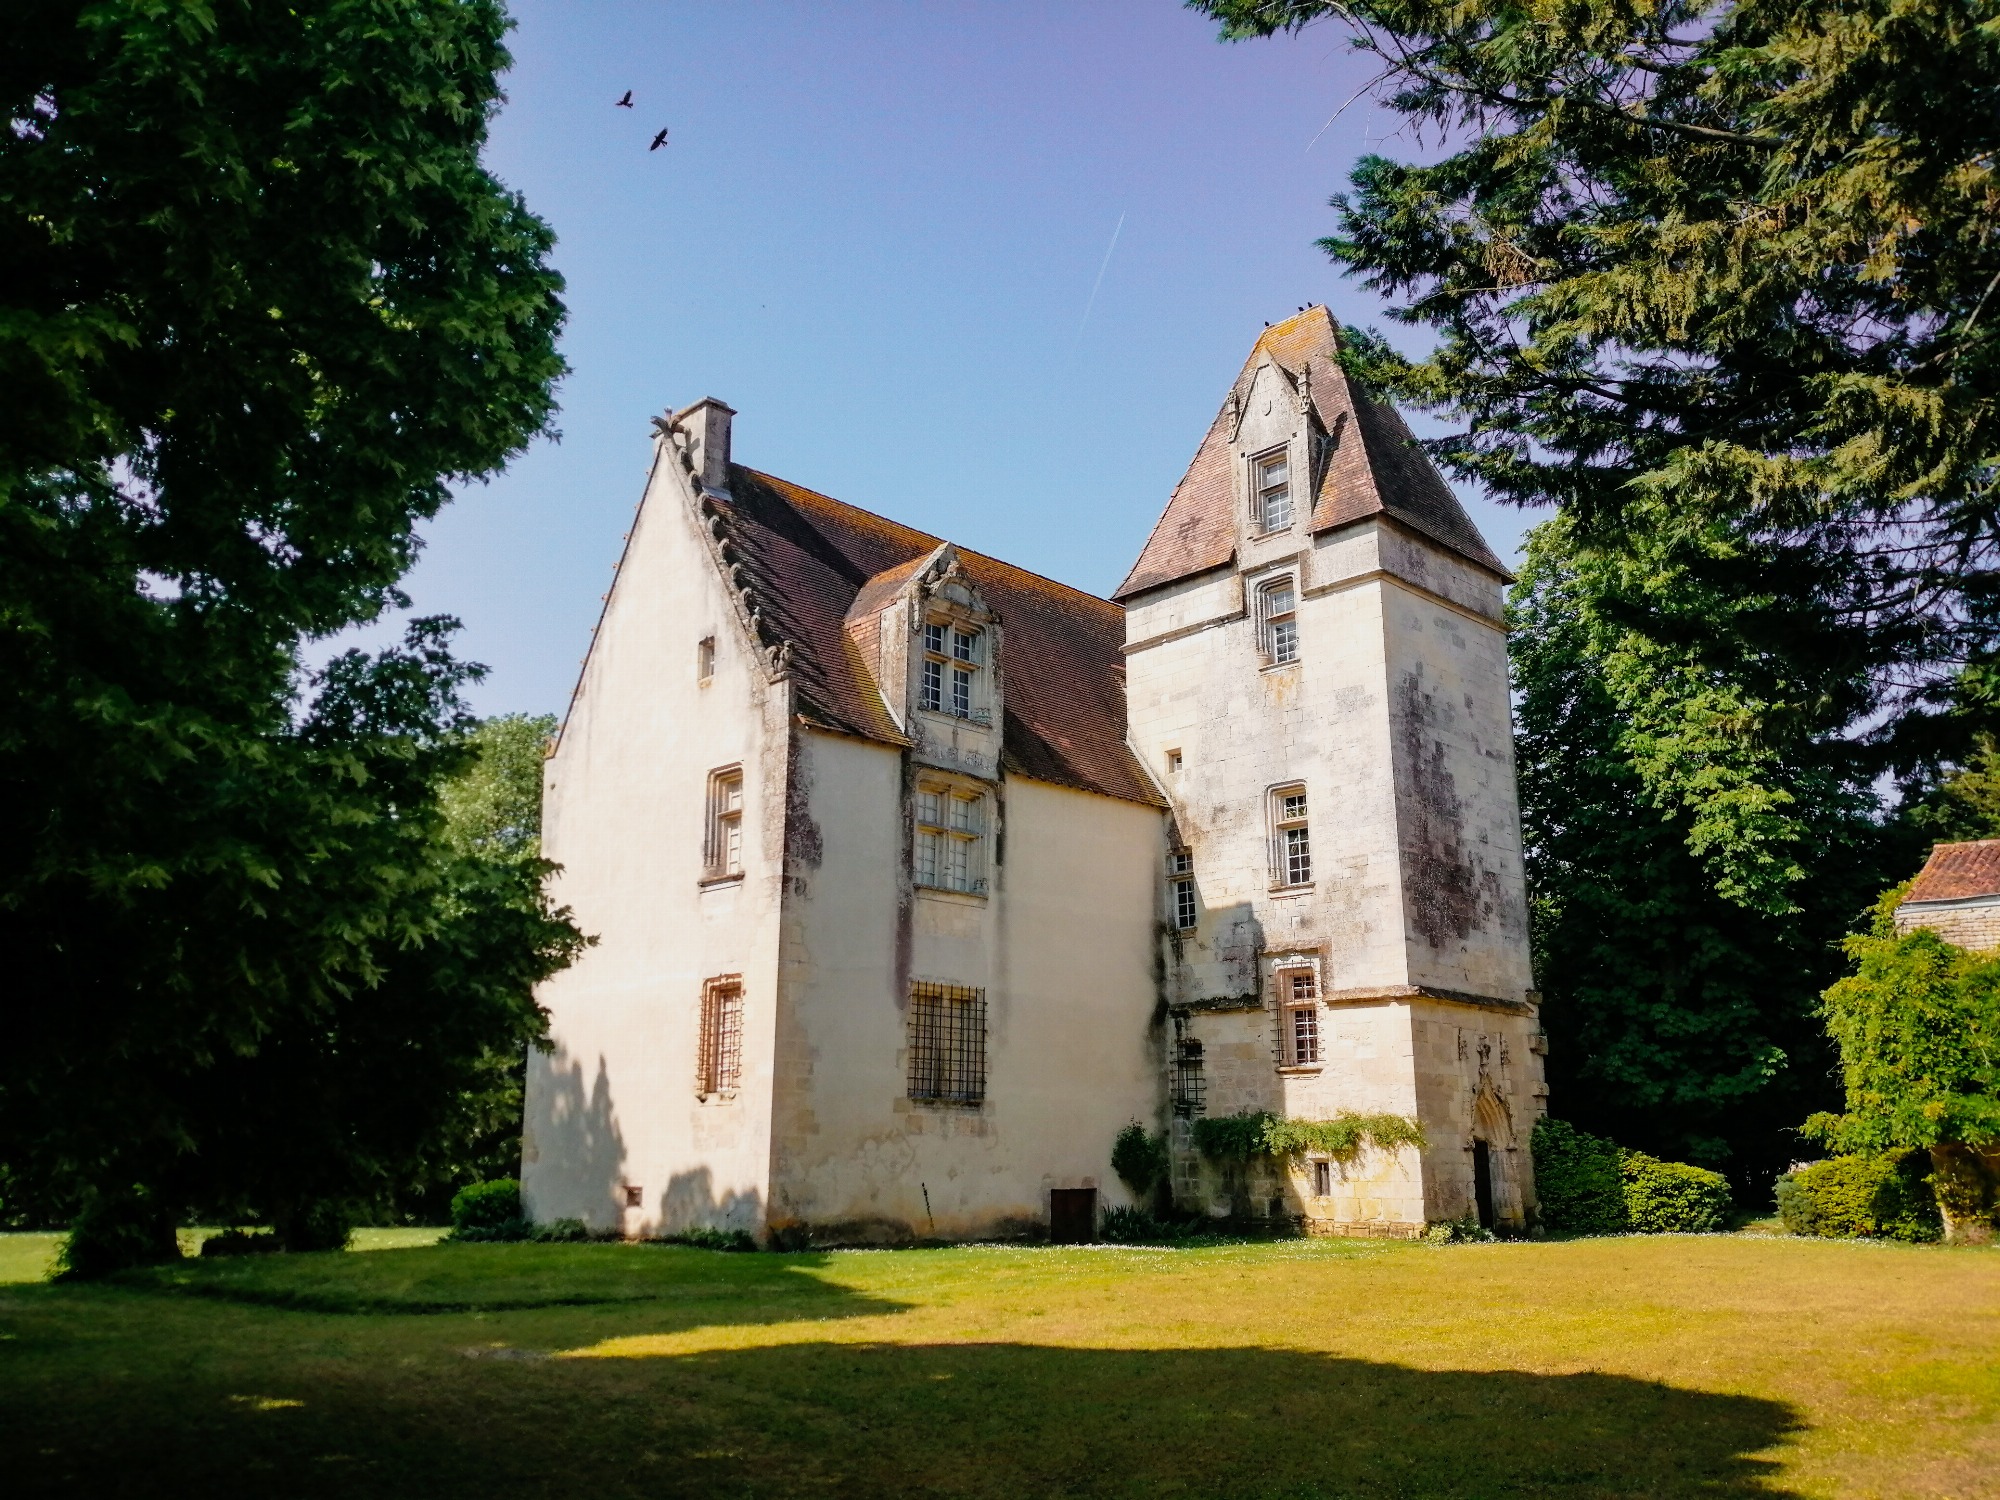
x=1095, y=287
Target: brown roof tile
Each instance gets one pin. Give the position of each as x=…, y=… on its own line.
x=1375, y=469
x=819, y=569
x=1959, y=872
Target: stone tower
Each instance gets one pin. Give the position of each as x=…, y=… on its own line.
x=1318, y=677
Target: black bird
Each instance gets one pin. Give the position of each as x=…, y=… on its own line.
x=658, y=141
x=626, y=102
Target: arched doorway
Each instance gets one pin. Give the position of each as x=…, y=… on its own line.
x=1482, y=1183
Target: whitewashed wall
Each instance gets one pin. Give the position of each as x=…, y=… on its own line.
x=1063, y=947
x=624, y=805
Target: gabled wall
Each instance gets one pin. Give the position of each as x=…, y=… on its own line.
x=614, y=1104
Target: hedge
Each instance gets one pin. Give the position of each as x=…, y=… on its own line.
x=1671, y=1197
x=1578, y=1180
x=1589, y=1185
x=489, y=1211
x=1861, y=1197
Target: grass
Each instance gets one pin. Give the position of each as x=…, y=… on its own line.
x=1719, y=1366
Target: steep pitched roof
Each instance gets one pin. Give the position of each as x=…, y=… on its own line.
x=1958, y=872
x=811, y=563
x=1375, y=469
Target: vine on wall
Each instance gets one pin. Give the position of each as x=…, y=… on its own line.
x=1237, y=1138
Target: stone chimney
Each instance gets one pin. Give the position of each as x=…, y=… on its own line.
x=706, y=424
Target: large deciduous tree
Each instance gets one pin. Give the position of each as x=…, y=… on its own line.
x=1681, y=1022
x=260, y=307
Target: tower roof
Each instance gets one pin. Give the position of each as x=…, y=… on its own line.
x=1375, y=468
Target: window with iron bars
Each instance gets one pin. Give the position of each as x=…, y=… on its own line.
x=947, y=1044
x=948, y=681
x=1291, y=844
x=950, y=852
x=1190, y=1084
x=1180, y=871
x=1298, y=1016
x=719, y=1058
x=1278, y=621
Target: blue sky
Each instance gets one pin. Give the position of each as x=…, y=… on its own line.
x=876, y=234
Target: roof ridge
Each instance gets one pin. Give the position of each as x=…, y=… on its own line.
x=936, y=541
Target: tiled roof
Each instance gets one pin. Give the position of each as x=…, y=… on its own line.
x=1959, y=872
x=809, y=560
x=1376, y=469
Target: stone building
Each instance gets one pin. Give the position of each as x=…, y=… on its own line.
x=916, y=876
x=1957, y=895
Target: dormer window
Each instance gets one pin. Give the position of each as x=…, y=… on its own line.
x=949, y=682
x=1273, y=491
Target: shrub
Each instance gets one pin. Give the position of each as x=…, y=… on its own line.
x=560, y=1232
x=1466, y=1231
x=1134, y=1226
x=489, y=1211
x=1872, y=1197
x=1578, y=1180
x=241, y=1242
x=1671, y=1197
x=712, y=1239
x=1140, y=1160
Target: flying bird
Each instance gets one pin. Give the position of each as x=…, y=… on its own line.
x=658, y=141
x=626, y=102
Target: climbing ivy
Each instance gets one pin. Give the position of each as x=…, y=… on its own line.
x=1233, y=1138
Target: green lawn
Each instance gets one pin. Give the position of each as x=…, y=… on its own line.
x=1724, y=1366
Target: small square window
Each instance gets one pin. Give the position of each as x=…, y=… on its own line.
x=1173, y=762
x=635, y=1196
x=704, y=659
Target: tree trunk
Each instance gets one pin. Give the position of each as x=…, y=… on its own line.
x=1967, y=1183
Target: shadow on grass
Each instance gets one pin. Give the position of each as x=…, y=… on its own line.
x=715, y=1287
x=984, y=1420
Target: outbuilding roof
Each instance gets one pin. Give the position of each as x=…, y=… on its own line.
x=809, y=559
x=1958, y=872
x=1375, y=469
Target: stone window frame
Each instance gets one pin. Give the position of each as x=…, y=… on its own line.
x=946, y=1045
x=1290, y=835
x=722, y=833
x=1299, y=994
x=952, y=669
x=719, y=1044
x=704, y=661
x=948, y=849
x=1277, y=629
x=1182, y=902
x=1262, y=494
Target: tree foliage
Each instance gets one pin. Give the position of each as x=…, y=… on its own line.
x=1680, y=1020
x=1720, y=279
x=494, y=806
x=260, y=306
x=1918, y=1026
